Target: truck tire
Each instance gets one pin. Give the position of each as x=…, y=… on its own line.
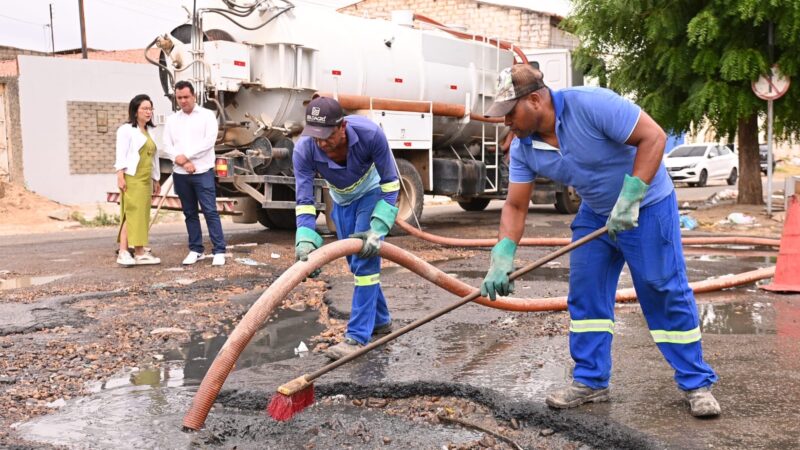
x=279, y=219
x=475, y=204
x=410, y=197
x=567, y=200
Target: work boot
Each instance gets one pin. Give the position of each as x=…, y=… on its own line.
x=574, y=395
x=342, y=349
x=702, y=402
x=381, y=331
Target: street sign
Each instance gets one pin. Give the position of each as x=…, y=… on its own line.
x=771, y=87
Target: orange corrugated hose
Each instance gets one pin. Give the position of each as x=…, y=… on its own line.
x=257, y=315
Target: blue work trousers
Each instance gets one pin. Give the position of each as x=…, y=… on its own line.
x=369, y=309
x=654, y=254
x=194, y=189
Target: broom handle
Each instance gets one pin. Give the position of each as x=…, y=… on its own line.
x=169, y=182
x=475, y=294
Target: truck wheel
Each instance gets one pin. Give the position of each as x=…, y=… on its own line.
x=475, y=204
x=567, y=200
x=409, y=199
x=279, y=219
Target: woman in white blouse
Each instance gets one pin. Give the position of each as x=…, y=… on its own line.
x=137, y=177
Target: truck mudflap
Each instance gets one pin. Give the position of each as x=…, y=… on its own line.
x=226, y=206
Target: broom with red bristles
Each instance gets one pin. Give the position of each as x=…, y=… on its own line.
x=298, y=394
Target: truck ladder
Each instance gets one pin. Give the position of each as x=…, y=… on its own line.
x=493, y=181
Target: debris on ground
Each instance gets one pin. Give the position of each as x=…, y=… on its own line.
x=727, y=194
x=741, y=219
x=688, y=222
x=249, y=262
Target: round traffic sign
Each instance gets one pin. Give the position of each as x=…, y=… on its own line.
x=772, y=86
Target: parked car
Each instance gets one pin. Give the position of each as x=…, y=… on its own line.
x=697, y=163
x=762, y=155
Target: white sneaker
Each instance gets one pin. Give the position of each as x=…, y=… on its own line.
x=219, y=260
x=192, y=258
x=125, y=259
x=146, y=259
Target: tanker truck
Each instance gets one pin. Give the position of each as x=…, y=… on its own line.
x=258, y=64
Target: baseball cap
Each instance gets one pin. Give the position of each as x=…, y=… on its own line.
x=512, y=83
x=323, y=114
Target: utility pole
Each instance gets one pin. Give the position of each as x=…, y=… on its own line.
x=52, y=37
x=83, y=29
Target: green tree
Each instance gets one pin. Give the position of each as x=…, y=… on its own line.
x=693, y=61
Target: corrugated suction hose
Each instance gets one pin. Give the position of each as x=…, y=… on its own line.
x=257, y=315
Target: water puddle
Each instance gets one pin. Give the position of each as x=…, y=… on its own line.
x=139, y=409
x=276, y=342
x=737, y=318
x=765, y=258
x=23, y=282
x=143, y=407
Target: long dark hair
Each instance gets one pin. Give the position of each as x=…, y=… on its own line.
x=133, y=108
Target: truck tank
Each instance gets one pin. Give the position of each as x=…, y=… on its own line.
x=266, y=74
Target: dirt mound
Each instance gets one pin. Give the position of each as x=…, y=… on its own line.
x=22, y=211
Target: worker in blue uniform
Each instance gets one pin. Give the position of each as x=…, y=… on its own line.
x=353, y=156
x=610, y=151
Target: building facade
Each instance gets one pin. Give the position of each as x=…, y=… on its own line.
x=524, y=26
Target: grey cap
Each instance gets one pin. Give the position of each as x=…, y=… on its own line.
x=514, y=83
x=323, y=115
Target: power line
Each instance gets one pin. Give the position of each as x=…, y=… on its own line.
x=22, y=21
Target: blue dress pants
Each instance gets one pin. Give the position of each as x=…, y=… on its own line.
x=654, y=254
x=194, y=189
x=369, y=309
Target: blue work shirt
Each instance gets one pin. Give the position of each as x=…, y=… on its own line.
x=592, y=125
x=369, y=165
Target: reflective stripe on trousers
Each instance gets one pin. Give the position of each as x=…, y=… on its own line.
x=654, y=256
x=369, y=308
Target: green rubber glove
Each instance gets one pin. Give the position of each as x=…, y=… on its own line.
x=380, y=223
x=306, y=241
x=625, y=214
x=496, y=281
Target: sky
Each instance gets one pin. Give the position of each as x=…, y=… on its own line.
x=128, y=24
x=110, y=24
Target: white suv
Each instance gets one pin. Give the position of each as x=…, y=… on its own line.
x=697, y=163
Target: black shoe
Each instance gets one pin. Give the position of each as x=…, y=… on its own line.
x=382, y=330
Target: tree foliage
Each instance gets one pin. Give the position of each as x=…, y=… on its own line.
x=692, y=62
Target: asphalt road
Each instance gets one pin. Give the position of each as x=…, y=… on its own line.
x=504, y=361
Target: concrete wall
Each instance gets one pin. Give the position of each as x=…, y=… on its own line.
x=528, y=29
x=46, y=86
x=12, y=52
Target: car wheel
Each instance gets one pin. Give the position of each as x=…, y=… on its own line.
x=701, y=181
x=733, y=177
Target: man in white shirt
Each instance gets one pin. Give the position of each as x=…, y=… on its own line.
x=189, y=138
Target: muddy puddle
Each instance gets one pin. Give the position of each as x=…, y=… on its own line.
x=143, y=407
x=737, y=318
x=23, y=282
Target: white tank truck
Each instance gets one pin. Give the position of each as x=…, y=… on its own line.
x=258, y=64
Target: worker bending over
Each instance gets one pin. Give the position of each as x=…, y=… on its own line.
x=610, y=151
x=353, y=156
